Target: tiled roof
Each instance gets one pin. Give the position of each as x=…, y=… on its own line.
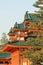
x=18, y=43
x=21, y=26
x=31, y=17
x=23, y=43
x=34, y=18
x=5, y=54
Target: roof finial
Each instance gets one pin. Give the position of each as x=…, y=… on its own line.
x=26, y=16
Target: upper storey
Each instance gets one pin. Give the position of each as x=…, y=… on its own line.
x=31, y=17
x=22, y=30
x=26, y=25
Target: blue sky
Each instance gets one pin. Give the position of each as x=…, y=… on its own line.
x=12, y=11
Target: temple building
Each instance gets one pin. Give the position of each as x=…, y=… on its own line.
x=11, y=52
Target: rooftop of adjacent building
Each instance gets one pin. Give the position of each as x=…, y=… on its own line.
x=5, y=55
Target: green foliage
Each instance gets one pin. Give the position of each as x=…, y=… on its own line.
x=36, y=56
x=37, y=24
x=38, y=4
x=35, y=39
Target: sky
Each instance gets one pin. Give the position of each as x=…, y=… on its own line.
x=12, y=11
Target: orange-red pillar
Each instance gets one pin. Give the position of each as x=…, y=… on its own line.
x=15, y=58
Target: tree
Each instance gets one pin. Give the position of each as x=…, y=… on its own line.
x=4, y=39
x=38, y=41
x=34, y=54
x=39, y=4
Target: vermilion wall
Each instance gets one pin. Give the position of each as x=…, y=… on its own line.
x=18, y=60
x=15, y=58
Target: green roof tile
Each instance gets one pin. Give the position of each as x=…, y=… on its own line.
x=18, y=43
x=23, y=43
x=34, y=18
x=31, y=17
x=5, y=54
x=21, y=26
